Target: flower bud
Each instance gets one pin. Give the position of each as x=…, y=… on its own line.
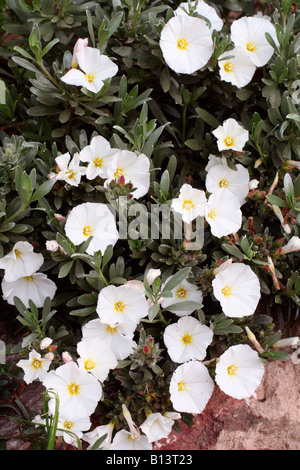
x=60, y=218
x=292, y=245
x=66, y=357
x=253, y=185
x=52, y=245
x=152, y=275
x=79, y=46
x=49, y=356
x=146, y=349
x=45, y=343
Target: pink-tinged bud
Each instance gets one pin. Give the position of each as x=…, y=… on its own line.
x=60, y=218
x=121, y=180
x=53, y=347
x=52, y=245
x=146, y=349
x=66, y=357
x=152, y=274
x=49, y=356
x=79, y=46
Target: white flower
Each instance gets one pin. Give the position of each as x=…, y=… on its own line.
x=184, y=292
x=157, y=427
x=69, y=169
x=93, y=436
x=187, y=339
x=36, y=287
x=79, y=392
x=79, y=46
x=237, y=289
x=35, y=367
x=292, y=245
x=134, y=169
x=132, y=440
x=95, y=67
x=118, y=338
x=249, y=33
x=95, y=357
x=122, y=305
x=238, y=70
x=213, y=160
x=236, y=181
x=152, y=274
x=124, y=440
x=186, y=44
x=66, y=426
x=239, y=371
x=20, y=261
x=231, y=136
x=190, y=203
x=191, y=387
x=92, y=219
x=99, y=155
x=223, y=213
x=203, y=9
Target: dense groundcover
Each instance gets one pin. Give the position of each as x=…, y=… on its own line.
x=149, y=169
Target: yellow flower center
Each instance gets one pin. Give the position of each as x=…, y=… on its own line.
x=212, y=214
x=70, y=174
x=17, y=253
x=251, y=46
x=181, y=386
x=226, y=291
x=231, y=370
x=87, y=231
x=186, y=339
x=90, y=77
x=111, y=330
x=28, y=278
x=118, y=172
x=229, y=141
x=181, y=293
x=223, y=183
x=182, y=44
x=228, y=67
x=36, y=364
x=73, y=389
x=68, y=424
x=119, y=306
x=98, y=162
x=187, y=204
x=89, y=364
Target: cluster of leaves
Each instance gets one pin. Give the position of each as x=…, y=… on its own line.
x=149, y=109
